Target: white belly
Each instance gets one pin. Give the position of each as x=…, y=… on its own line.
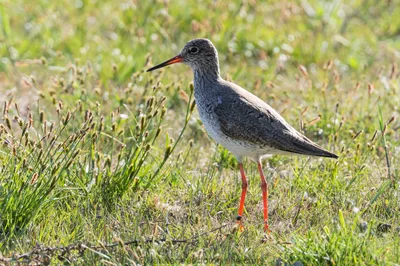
x=237, y=148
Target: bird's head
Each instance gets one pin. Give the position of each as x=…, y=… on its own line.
x=199, y=54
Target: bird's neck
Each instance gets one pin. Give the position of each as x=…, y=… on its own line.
x=206, y=70
x=205, y=85
x=205, y=75
x=204, y=81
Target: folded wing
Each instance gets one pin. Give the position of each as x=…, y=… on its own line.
x=244, y=117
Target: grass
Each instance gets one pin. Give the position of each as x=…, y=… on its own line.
x=103, y=163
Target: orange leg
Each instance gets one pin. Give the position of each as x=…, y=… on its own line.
x=264, y=188
x=242, y=198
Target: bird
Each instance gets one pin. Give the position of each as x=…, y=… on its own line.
x=238, y=120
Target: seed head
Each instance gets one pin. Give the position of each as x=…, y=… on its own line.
x=8, y=122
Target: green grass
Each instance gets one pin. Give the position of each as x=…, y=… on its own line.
x=95, y=152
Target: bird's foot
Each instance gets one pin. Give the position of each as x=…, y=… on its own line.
x=239, y=224
x=266, y=228
x=239, y=227
x=268, y=237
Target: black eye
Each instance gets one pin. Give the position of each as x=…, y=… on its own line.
x=193, y=50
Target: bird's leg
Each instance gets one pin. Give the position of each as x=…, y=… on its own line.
x=264, y=188
x=242, y=198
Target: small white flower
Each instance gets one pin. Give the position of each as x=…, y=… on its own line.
x=123, y=116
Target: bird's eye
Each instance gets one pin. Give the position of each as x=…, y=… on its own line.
x=193, y=50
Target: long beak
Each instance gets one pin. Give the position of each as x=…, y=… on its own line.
x=176, y=59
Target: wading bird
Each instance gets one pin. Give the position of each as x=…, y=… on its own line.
x=239, y=120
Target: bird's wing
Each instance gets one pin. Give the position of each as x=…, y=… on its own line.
x=245, y=117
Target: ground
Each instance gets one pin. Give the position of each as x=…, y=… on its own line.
x=103, y=163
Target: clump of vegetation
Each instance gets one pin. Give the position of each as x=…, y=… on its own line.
x=97, y=154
